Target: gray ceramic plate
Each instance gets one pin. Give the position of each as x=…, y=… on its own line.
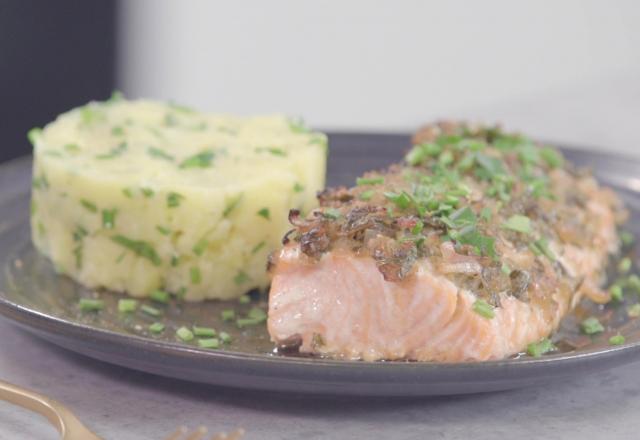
x=44, y=303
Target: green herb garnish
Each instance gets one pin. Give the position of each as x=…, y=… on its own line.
x=200, y=160
x=616, y=339
x=89, y=206
x=275, y=151
x=156, y=327
x=160, y=296
x=633, y=311
x=127, y=305
x=109, y=218
x=264, y=212
x=232, y=204
x=244, y=299
x=591, y=326
x=34, y=134
x=91, y=305
x=159, y=153
x=241, y=278
x=552, y=157
x=258, y=247
x=297, y=187
x=209, y=343
x=225, y=337
x=369, y=181
x=627, y=238
x=174, y=199
x=114, y=152
x=163, y=230
x=184, y=334
x=139, y=247
x=228, y=315
x=483, y=308
x=537, y=349
x=624, y=265
x=402, y=200
x=204, y=331
x=616, y=293
x=331, y=214
x=367, y=195
x=200, y=247
x=150, y=310
x=196, y=276
x=518, y=223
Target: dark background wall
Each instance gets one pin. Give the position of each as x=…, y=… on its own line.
x=54, y=55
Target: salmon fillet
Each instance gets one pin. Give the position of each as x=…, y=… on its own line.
x=474, y=247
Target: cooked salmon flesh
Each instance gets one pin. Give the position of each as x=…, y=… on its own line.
x=477, y=245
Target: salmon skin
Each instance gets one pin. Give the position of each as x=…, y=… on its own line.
x=477, y=245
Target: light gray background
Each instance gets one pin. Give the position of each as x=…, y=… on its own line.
x=566, y=70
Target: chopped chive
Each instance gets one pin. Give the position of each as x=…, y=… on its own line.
x=114, y=152
x=228, y=315
x=139, y=247
x=402, y=200
x=109, y=218
x=616, y=339
x=196, y=276
x=518, y=223
x=367, y=195
x=184, y=334
x=505, y=269
x=616, y=293
x=246, y=322
x=542, y=245
x=369, y=181
x=417, y=228
x=633, y=311
x=117, y=131
x=71, y=148
x=175, y=260
x=331, y=213
x=232, y=203
x=624, y=265
x=552, y=157
x=244, y=299
x=40, y=182
x=163, y=230
x=160, y=296
x=127, y=305
x=225, y=337
x=200, y=160
x=486, y=213
x=258, y=247
x=200, y=247
x=174, y=199
x=297, y=187
x=275, y=151
x=147, y=192
x=264, y=212
x=241, y=278
x=204, y=331
x=91, y=305
x=591, y=326
x=537, y=349
x=89, y=206
x=127, y=192
x=257, y=313
x=483, y=308
x=209, y=343
x=34, y=134
x=150, y=310
x=160, y=154
x=156, y=327
x=627, y=238
x=633, y=282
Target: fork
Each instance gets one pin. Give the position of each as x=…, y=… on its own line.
x=58, y=415
x=70, y=428
x=182, y=433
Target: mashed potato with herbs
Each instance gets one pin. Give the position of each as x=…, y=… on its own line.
x=136, y=196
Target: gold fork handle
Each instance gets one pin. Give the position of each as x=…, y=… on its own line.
x=58, y=415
